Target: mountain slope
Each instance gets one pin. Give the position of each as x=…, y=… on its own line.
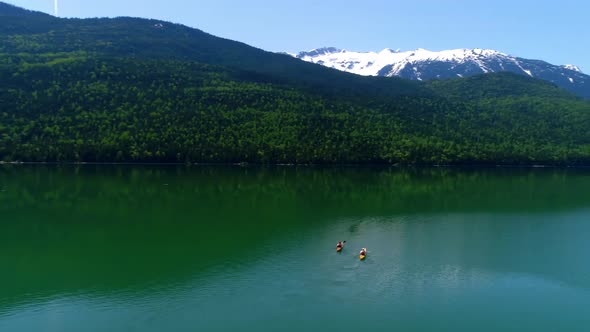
x=427, y=65
x=497, y=85
x=138, y=90
x=7, y=10
x=152, y=39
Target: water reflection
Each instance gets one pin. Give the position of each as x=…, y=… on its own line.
x=120, y=242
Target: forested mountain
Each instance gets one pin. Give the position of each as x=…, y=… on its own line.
x=139, y=90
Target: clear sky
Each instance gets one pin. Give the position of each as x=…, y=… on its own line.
x=554, y=31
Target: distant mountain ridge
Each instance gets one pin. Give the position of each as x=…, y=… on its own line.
x=423, y=64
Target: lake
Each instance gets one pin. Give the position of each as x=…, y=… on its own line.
x=176, y=248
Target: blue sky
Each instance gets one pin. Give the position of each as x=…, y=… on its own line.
x=555, y=31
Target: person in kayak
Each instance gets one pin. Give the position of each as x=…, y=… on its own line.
x=340, y=244
x=364, y=251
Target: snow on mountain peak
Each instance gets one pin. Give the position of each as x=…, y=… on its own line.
x=572, y=67
x=372, y=63
x=389, y=50
x=319, y=52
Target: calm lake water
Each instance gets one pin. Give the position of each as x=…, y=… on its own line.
x=171, y=248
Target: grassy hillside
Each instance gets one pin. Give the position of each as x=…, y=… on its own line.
x=132, y=90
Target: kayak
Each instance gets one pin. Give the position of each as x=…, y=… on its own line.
x=363, y=254
x=339, y=249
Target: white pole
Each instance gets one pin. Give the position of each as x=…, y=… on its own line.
x=55, y=7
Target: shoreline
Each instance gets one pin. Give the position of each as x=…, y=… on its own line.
x=247, y=164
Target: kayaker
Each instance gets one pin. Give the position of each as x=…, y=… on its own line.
x=340, y=244
x=364, y=251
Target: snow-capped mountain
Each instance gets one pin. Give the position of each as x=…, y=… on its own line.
x=423, y=64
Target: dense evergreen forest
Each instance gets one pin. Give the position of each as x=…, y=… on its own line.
x=135, y=90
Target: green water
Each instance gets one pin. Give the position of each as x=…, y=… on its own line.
x=168, y=248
